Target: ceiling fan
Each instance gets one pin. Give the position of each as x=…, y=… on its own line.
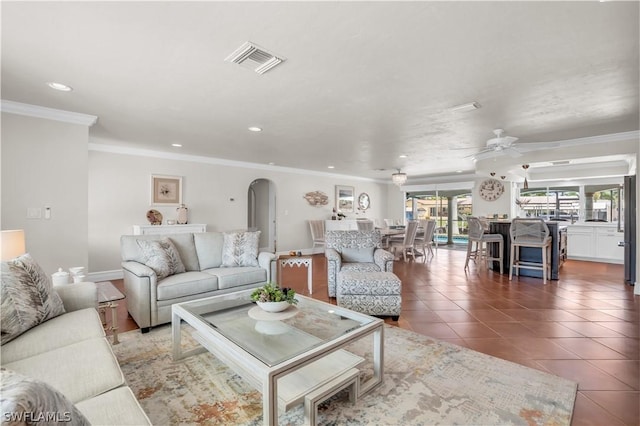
x=500, y=145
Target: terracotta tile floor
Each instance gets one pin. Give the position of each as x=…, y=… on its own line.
x=583, y=327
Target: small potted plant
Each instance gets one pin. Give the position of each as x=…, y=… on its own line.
x=272, y=298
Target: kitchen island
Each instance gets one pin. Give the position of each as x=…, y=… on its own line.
x=558, y=232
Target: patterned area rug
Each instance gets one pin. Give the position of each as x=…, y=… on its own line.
x=426, y=382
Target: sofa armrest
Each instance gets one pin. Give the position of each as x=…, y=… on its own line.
x=78, y=296
x=138, y=269
x=383, y=259
x=266, y=260
x=140, y=287
x=334, y=264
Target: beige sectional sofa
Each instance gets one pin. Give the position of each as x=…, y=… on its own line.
x=204, y=256
x=71, y=354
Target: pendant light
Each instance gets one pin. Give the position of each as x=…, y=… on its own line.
x=526, y=184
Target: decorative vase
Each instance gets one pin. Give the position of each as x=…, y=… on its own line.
x=182, y=211
x=273, y=306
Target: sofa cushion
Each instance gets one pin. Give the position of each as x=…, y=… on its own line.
x=60, y=331
x=28, y=298
x=116, y=407
x=26, y=400
x=360, y=267
x=240, y=248
x=209, y=248
x=161, y=256
x=79, y=371
x=239, y=276
x=186, y=284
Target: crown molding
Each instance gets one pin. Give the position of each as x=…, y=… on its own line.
x=102, y=145
x=18, y=108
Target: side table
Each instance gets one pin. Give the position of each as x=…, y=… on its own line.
x=108, y=294
x=305, y=260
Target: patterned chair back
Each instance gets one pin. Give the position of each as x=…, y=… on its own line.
x=353, y=239
x=532, y=230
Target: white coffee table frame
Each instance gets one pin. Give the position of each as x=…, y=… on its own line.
x=262, y=376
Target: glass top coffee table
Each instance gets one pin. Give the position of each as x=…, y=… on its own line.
x=284, y=355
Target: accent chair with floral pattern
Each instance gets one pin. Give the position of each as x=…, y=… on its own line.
x=354, y=251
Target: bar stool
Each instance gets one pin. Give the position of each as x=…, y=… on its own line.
x=478, y=245
x=530, y=232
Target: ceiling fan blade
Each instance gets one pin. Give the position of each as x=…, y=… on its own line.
x=512, y=152
x=536, y=146
x=487, y=153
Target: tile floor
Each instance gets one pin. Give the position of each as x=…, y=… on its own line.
x=583, y=327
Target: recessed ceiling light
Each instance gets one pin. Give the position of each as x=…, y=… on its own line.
x=59, y=86
x=402, y=156
x=465, y=107
x=177, y=145
x=271, y=163
x=331, y=167
x=458, y=171
x=255, y=129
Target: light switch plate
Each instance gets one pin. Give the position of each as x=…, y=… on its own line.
x=34, y=213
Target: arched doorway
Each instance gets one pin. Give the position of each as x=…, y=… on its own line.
x=261, y=214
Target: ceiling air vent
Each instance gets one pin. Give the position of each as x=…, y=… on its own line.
x=254, y=58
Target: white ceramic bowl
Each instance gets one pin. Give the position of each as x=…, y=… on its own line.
x=273, y=306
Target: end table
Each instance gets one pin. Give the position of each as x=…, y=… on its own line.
x=108, y=294
x=304, y=260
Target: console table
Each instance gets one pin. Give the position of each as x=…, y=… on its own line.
x=168, y=229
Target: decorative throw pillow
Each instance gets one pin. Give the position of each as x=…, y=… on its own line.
x=240, y=248
x=357, y=254
x=26, y=401
x=161, y=256
x=28, y=298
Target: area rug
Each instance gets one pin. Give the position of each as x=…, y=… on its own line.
x=426, y=382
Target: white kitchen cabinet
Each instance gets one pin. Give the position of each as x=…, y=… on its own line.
x=607, y=240
x=598, y=243
x=580, y=242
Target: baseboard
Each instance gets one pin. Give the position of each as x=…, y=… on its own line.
x=105, y=275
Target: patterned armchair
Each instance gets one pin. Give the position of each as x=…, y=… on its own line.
x=354, y=251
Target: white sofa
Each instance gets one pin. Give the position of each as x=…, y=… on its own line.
x=71, y=353
x=149, y=299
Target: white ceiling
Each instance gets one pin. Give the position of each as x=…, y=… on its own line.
x=362, y=84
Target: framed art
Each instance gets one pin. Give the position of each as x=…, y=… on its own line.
x=344, y=198
x=166, y=190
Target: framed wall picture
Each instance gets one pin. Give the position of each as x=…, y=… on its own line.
x=166, y=190
x=344, y=198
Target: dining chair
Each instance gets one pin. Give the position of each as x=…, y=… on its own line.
x=317, y=232
x=478, y=244
x=365, y=225
x=424, y=236
x=407, y=245
x=388, y=223
x=530, y=232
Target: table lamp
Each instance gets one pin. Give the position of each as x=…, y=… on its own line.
x=12, y=244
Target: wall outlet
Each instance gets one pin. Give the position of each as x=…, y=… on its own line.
x=47, y=212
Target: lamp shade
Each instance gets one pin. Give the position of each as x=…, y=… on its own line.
x=12, y=244
x=399, y=178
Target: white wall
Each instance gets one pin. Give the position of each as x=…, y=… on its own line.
x=216, y=194
x=44, y=163
x=503, y=205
